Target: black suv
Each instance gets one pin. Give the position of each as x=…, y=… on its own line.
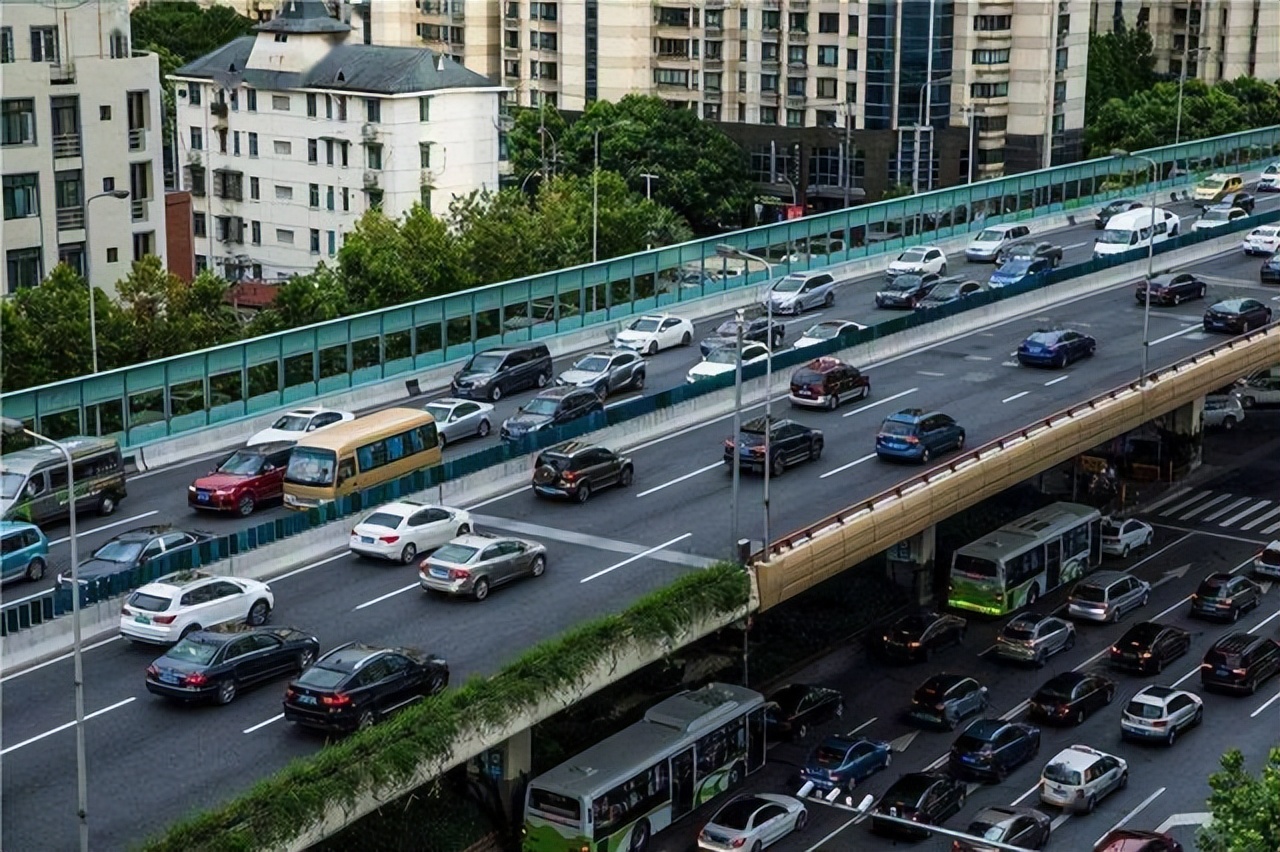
x=552, y=407
x=1224, y=595
x=1149, y=647
x=826, y=382
x=1239, y=198
x=493, y=373
x=575, y=470
x=789, y=442
x=755, y=327
x=1239, y=662
x=909, y=290
x=1120, y=205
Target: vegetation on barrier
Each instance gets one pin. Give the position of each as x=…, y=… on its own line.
x=425, y=734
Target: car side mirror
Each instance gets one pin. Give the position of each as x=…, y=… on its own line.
x=144, y=559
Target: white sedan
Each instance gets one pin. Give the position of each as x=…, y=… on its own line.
x=299, y=422
x=1121, y=536
x=652, y=332
x=1218, y=217
x=400, y=531
x=168, y=608
x=826, y=330
x=918, y=261
x=1264, y=240
x=724, y=360
x=752, y=822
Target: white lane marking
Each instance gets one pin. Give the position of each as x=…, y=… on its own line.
x=1230, y=507
x=38, y=737
x=1055, y=381
x=1260, y=519
x=1076, y=246
x=1180, y=681
x=297, y=571
x=822, y=842
x=1270, y=529
x=1199, y=495
x=872, y=405
x=1261, y=504
x=90, y=531
x=865, y=724
x=1204, y=507
x=845, y=467
x=1015, y=710
x=977, y=358
x=1168, y=498
x=59, y=658
x=1265, y=622
x=1193, y=818
x=1024, y=796
x=169, y=468
x=1133, y=813
x=260, y=725
x=1015, y=396
x=932, y=375
x=1058, y=821
x=1224, y=536
x=1272, y=700
x=638, y=556
x=1186, y=330
x=678, y=479
x=388, y=595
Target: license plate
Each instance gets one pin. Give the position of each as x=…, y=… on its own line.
x=1222, y=672
x=804, y=393
x=202, y=496
x=440, y=572
x=306, y=699
x=165, y=677
x=142, y=619
x=366, y=539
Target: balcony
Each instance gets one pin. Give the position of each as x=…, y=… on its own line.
x=70, y=218
x=138, y=209
x=371, y=178
x=798, y=5
x=62, y=74
x=772, y=5
x=798, y=37
x=769, y=98
x=713, y=64
x=66, y=145
x=218, y=109
x=713, y=4
x=712, y=96
x=369, y=131
x=797, y=101
x=673, y=58
x=137, y=138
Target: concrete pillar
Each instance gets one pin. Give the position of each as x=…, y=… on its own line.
x=1183, y=430
x=503, y=767
x=910, y=564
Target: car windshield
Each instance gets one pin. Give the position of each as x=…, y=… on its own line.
x=310, y=466
x=806, y=377
x=829, y=756
x=1214, y=587
x=1093, y=594
x=191, y=650
x=149, y=603
x=976, y=567
x=292, y=423
x=990, y=235
x=11, y=483
x=790, y=284
x=242, y=463
x=439, y=412
x=1055, y=691
x=382, y=519
x=458, y=554
x=484, y=363
x=592, y=364
x=727, y=355
x=1141, y=635
x=1210, y=183
x=1020, y=630
x=540, y=406
x=1216, y=215
x=822, y=331
x=1116, y=237
x=969, y=743
x=903, y=283
x=1017, y=266
x=1043, y=338
x=319, y=677
x=1110, y=529
x=1062, y=773
x=729, y=328
x=896, y=427
x=1270, y=556
x=737, y=815
x=1116, y=207
x=119, y=551
x=1143, y=710
x=644, y=325
x=986, y=830
x=912, y=256
x=944, y=291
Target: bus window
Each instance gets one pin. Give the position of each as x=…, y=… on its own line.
x=310, y=466
x=346, y=469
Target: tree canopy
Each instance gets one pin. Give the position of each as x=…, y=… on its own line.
x=1120, y=65
x=1245, y=808
x=187, y=30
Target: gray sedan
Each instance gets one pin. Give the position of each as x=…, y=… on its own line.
x=606, y=372
x=472, y=564
x=460, y=418
x=1034, y=638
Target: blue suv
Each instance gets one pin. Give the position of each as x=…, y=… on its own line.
x=1019, y=269
x=917, y=435
x=24, y=551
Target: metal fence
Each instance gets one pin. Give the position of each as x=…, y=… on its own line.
x=25, y=612
x=177, y=395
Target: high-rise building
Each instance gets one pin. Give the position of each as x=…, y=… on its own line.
x=81, y=135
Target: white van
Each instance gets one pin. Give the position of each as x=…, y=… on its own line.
x=1132, y=229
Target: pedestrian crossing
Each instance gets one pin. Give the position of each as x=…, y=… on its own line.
x=1225, y=510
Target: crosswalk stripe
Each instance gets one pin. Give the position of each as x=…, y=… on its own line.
x=1195, y=498
x=1176, y=494
x=1230, y=507
x=1261, y=518
x=1256, y=507
x=1269, y=530
x=1204, y=507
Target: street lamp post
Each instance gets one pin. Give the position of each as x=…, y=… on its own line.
x=920, y=125
x=648, y=195
x=595, y=187
x=10, y=426
x=1151, y=250
x=737, y=436
x=1182, y=81
x=972, y=113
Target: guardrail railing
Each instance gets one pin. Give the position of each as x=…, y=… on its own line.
x=178, y=395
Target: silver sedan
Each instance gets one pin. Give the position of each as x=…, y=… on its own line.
x=606, y=372
x=457, y=419
x=472, y=564
x=1034, y=638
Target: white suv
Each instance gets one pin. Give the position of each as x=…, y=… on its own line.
x=163, y=611
x=1160, y=713
x=1080, y=776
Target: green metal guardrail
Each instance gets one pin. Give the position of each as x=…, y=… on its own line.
x=182, y=394
x=29, y=611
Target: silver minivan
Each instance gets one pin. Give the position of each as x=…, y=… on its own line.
x=33, y=482
x=1107, y=596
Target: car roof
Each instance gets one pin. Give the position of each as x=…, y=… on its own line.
x=405, y=507
x=572, y=448
x=478, y=540
x=138, y=533
x=175, y=582
x=267, y=448
x=824, y=364
x=1103, y=578
x=1066, y=679
x=1030, y=618
x=1236, y=642
x=910, y=415
x=985, y=729
x=944, y=680
x=1155, y=694
x=1079, y=756
x=1003, y=228
x=351, y=657
x=449, y=401
x=13, y=526
x=1229, y=304
x=557, y=393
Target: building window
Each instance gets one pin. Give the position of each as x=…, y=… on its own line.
x=851, y=92
x=671, y=77
x=798, y=22
x=235, y=100
x=797, y=54
x=254, y=190
x=768, y=52
x=253, y=144
x=828, y=22
x=346, y=200
x=311, y=105
x=113, y=255
x=222, y=140
x=235, y=143
x=992, y=23
x=72, y=254
x=23, y=267
x=827, y=87
x=68, y=195
x=424, y=109
x=711, y=112
x=193, y=94
x=828, y=55
x=197, y=139
x=768, y=115
x=315, y=241
x=768, y=82
x=195, y=180
x=328, y=198
x=715, y=50
x=284, y=192
x=280, y=103
x=44, y=44
x=313, y=151
x=795, y=87
x=21, y=195
x=281, y=38
x=851, y=59
x=18, y=122
x=372, y=110
x=424, y=155
x=282, y=147
x=373, y=199
x=255, y=232
x=313, y=195
x=333, y=242
x=989, y=90
x=199, y=225
x=344, y=148
x=6, y=45
x=202, y=263
x=795, y=118
x=251, y=100
x=991, y=57
x=990, y=123
x=104, y=112
x=284, y=236
x=711, y=81
x=373, y=156
x=770, y=21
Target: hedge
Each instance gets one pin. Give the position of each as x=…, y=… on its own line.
x=280, y=807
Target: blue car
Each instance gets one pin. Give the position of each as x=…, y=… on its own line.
x=25, y=551
x=917, y=435
x=1055, y=348
x=1019, y=269
x=843, y=762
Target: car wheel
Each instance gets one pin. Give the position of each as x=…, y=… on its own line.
x=258, y=614
x=483, y=429
x=1091, y=804
x=638, y=382
x=640, y=836
x=1080, y=716
x=1200, y=292
x=1060, y=361
x=480, y=590
x=367, y=720
x=1235, y=614
x=924, y=455
x=1124, y=779
x=602, y=392
x=410, y=551
x=1229, y=423
x=1248, y=401
x=833, y=402
x=888, y=759
x=1124, y=552
x=815, y=451
x=627, y=476
x=802, y=819
x=539, y=566
x=686, y=339
x=840, y=710
x=1199, y=717
x=802, y=731
x=653, y=348
x=495, y=393
x=1158, y=665
x=1033, y=594
x=756, y=847
x=583, y=494
x=245, y=505
x=778, y=466
x=305, y=659
x=226, y=691
x=1172, y=737
x=1177, y=299
x=544, y=379
x=35, y=569
x=865, y=392
x=1039, y=660
x=106, y=505
x=943, y=270
x=829, y=300
x=464, y=529
x=960, y=442
x=1109, y=695
x=442, y=439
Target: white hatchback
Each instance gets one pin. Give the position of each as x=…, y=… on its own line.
x=1160, y=713
x=652, y=332
x=299, y=422
x=165, y=610
x=1119, y=536
x=1079, y=777
x=400, y=531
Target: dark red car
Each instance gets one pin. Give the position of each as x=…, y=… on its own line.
x=249, y=477
x=1133, y=840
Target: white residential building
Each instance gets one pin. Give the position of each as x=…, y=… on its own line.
x=287, y=137
x=81, y=117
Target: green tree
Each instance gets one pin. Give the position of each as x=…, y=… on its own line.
x=304, y=300
x=897, y=190
x=384, y=262
x=1259, y=99
x=188, y=30
x=1149, y=118
x=167, y=316
x=534, y=138
x=1120, y=64
x=1245, y=807
x=497, y=234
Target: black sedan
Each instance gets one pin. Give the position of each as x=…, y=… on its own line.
x=755, y=327
x=1244, y=200
x=1120, y=205
x=1024, y=827
x=133, y=549
x=946, y=292
x=1172, y=288
x=1055, y=348
x=1071, y=697
x=989, y=749
x=215, y=664
x=1149, y=647
x=789, y=443
x=1031, y=248
x=1270, y=271
x=797, y=708
x=1237, y=316
x=925, y=798
x=355, y=685
x=906, y=291
x=917, y=636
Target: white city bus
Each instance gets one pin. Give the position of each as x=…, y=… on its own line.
x=623, y=790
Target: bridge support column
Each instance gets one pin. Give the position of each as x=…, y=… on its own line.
x=501, y=769
x=910, y=564
x=1183, y=430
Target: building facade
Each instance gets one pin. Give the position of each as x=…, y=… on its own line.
x=286, y=137
x=81, y=149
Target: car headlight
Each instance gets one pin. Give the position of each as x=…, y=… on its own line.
x=191, y=489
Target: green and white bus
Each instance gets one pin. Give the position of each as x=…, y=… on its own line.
x=1016, y=564
x=620, y=792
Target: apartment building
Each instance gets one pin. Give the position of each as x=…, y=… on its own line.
x=1214, y=39
x=286, y=137
x=81, y=126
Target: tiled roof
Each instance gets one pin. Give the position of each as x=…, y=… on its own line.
x=303, y=16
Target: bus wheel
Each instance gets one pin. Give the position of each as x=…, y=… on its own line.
x=106, y=505
x=640, y=836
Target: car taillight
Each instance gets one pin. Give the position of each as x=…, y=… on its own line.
x=163, y=619
x=290, y=692
x=338, y=699
x=758, y=450
x=388, y=539
x=197, y=679
x=153, y=671
x=569, y=475
x=1239, y=672
x=124, y=610
x=939, y=707
x=911, y=439
x=738, y=842
x=459, y=573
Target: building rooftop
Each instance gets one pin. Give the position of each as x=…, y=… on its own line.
x=303, y=16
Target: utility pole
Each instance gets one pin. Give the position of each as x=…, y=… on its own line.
x=648, y=195
x=848, y=155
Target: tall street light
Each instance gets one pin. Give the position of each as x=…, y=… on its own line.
x=1151, y=250
x=648, y=195
x=727, y=251
x=920, y=125
x=9, y=426
x=1182, y=81
x=595, y=187
x=119, y=195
